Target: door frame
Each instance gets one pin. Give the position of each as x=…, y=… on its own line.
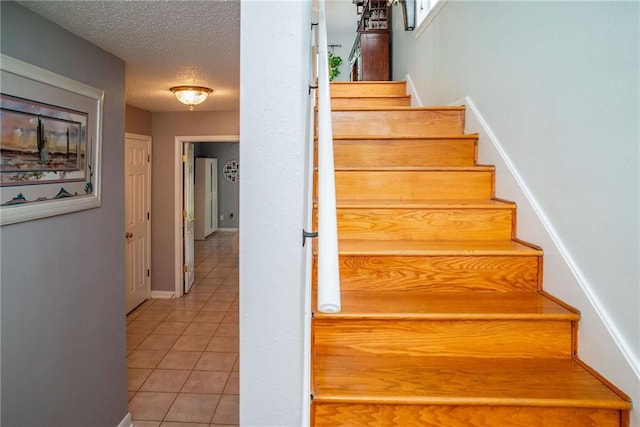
x=177, y=203
x=148, y=185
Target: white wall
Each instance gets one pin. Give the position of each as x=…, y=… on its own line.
x=346, y=39
x=273, y=111
x=558, y=83
x=341, y=29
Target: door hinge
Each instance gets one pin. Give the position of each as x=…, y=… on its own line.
x=184, y=214
x=185, y=268
x=148, y=158
x=148, y=215
x=148, y=273
x=185, y=158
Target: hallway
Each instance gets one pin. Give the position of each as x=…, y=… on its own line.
x=182, y=354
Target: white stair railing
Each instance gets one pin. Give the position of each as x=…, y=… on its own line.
x=328, y=268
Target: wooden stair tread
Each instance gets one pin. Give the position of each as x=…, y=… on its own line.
x=368, y=82
x=448, y=306
x=400, y=108
x=458, y=381
x=428, y=204
x=435, y=247
x=365, y=96
x=400, y=138
x=476, y=168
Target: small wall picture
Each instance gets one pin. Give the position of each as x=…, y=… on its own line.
x=231, y=171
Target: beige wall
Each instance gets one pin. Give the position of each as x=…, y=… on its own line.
x=165, y=127
x=137, y=121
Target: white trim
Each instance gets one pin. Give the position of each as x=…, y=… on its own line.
x=177, y=203
x=416, y=101
x=228, y=229
x=555, y=238
x=163, y=294
x=127, y=421
x=430, y=17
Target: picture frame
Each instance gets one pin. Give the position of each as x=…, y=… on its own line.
x=409, y=14
x=50, y=144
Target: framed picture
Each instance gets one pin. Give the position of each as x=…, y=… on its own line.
x=50, y=145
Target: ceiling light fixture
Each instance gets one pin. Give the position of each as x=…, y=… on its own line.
x=191, y=95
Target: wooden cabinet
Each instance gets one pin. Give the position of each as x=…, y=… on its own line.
x=370, y=55
x=206, y=197
x=373, y=16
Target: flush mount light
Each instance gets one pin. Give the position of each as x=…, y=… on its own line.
x=191, y=95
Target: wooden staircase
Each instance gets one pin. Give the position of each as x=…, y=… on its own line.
x=444, y=321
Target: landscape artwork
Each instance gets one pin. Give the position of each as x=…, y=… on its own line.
x=50, y=143
x=41, y=143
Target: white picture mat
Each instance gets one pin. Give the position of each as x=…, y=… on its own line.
x=33, y=83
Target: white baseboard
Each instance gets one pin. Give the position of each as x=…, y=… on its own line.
x=127, y=421
x=562, y=273
x=228, y=229
x=163, y=294
x=411, y=90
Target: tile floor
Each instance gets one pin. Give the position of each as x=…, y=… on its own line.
x=182, y=362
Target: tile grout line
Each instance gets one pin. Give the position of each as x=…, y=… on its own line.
x=222, y=286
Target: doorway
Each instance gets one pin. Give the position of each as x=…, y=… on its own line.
x=179, y=250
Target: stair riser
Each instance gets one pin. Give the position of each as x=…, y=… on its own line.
x=409, y=152
x=368, y=89
x=440, y=273
x=411, y=123
x=423, y=224
x=444, y=338
x=363, y=415
x=413, y=185
x=364, y=102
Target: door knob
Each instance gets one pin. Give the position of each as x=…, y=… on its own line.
x=128, y=235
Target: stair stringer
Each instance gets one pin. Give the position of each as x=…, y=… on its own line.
x=562, y=277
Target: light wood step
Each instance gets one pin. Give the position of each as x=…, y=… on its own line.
x=394, y=305
x=538, y=328
x=398, y=121
x=436, y=247
x=370, y=101
x=421, y=221
x=438, y=266
x=425, y=391
x=414, y=183
x=440, y=273
x=362, y=151
x=368, y=88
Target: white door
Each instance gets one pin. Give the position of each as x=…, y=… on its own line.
x=213, y=199
x=188, y=180
x=137, y=219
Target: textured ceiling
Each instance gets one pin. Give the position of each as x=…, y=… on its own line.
x=170, y=43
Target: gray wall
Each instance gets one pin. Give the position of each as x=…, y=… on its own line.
x=557, y=83
x=228, y=192
x=62, y=278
